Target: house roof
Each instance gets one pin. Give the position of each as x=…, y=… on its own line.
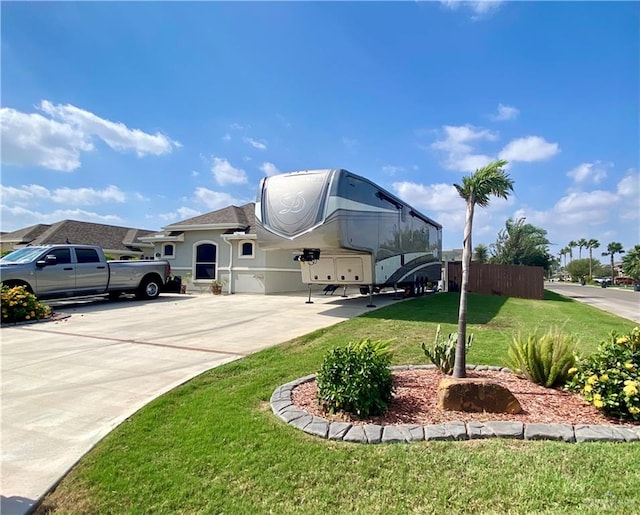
x=109, y=237
x=24, y=235
x=242, y=217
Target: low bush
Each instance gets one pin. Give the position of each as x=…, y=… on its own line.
x=443, y=353
x=356, y=379
x=610, y=378
x=18, y=305
x=543, y=359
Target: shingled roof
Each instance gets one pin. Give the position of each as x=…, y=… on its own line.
x=109, y=237
x=240, y=218
x=25, y=235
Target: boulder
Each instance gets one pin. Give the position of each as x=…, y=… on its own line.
x=476, y=395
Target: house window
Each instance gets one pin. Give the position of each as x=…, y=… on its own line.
x=168, y=250
x=206, y=261
x=246, y=249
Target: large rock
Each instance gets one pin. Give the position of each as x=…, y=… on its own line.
x=476, y=395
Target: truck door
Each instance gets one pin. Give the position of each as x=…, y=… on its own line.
x=57, y=277
x=92, y=274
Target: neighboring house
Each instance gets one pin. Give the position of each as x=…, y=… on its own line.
x=222, y=245
x=117, y=242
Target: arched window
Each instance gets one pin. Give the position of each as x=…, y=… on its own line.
x=168, y=250
x=246, y=249
x=206, y=257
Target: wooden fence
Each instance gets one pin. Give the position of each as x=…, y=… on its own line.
x=526, y=282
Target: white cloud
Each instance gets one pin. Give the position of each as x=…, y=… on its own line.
x=436, y=197
x=115, y=134
x=629, y=185
x=478, y=7
x=392, y=169
x=182, y=213
x=260, y=145
x=226, y=137
x=10, y=195
x=529, y=149
x=593, y=172
x=213, y=199
x=58, y=141
x=269, y=169
x=87, y=196
x=33, y=140
x=225, y=173
x=505, y=113
x=457, y=144
x=69, y=196
x=585, y=202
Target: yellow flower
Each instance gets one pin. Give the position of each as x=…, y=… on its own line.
x=592, y=379
x=604, y=378
x=588, y=388
x=622, y=340
x=629, y=366
x=572, y=371
x=630, y=389
x=633, y=410
x=27, y=317
x=597, y=401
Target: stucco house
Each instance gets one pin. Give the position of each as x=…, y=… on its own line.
x=222, y=245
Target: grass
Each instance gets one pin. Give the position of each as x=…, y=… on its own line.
x=213, y=445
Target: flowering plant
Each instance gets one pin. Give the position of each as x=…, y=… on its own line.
x=19, y=305
x=610, y=378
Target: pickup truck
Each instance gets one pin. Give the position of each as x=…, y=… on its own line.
x=55, y=271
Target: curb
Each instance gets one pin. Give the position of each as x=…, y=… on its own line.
x=283, y=407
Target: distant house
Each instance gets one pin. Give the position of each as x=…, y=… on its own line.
x=117, y=242
x=223, y=245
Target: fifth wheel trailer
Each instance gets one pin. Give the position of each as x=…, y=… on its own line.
x=346, y=230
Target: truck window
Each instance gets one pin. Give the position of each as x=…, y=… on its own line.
x=87, y=256
x=63, y=256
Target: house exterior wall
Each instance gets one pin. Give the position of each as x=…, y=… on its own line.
x=260, y=272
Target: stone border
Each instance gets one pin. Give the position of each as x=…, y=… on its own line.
x=282, y=406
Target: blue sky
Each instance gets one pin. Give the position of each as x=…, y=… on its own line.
x=144, y=114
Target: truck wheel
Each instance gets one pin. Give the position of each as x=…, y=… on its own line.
x=149, y=288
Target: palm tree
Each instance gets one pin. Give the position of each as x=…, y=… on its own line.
x=475, y=190
x=592, y=244
x=613, y=248
x=571, y=245
x=631, y=263
x=582, y=243
x=481, y=253
x=562, y=253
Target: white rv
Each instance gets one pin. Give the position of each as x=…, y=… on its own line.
x=346, y=230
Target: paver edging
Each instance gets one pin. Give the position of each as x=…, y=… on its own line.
x=283, y=407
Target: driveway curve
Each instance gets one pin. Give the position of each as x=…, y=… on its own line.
x=68, y=383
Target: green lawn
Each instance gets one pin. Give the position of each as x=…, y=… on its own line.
x=213, y=445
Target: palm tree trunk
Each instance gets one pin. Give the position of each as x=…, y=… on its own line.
x=612, y=276
x=460, y=364
x=590, y=263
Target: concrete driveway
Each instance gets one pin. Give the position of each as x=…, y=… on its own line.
x=67, y=383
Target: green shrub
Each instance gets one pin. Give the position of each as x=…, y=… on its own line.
x=356, y=379
x=19, y=305
x=543, y=359
x=610, y=378
x=443, y=353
